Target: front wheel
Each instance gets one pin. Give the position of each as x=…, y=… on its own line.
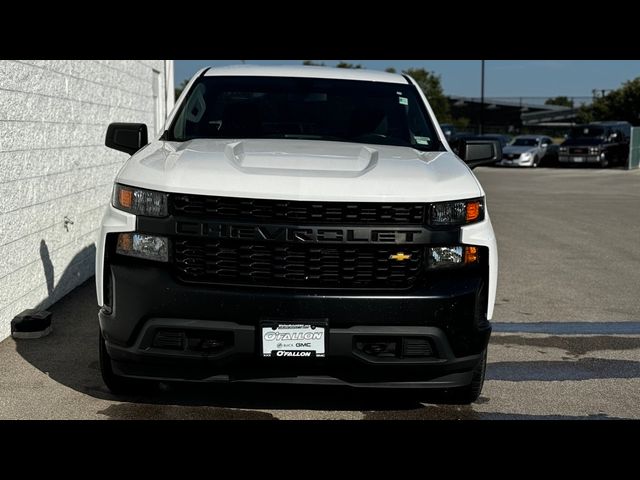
x=604, y=162
x=469, y=393
x=536, y=162
x=115, y=383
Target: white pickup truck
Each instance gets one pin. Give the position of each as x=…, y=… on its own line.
x=297, y=225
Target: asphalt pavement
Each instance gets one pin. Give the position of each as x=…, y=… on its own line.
x=566, y=342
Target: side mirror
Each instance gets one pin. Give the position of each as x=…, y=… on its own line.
x=544, y=145
x=126, y=137
x=479, y=152
x=613, y=136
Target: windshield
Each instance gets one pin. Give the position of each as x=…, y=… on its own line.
x=525, y=142
x=586, y=132
x=304, y=108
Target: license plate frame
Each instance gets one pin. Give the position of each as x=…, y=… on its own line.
x=293, y=339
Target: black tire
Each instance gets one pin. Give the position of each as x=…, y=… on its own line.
x=604, y=163
x=536, y=162
x=469, y=393
x=116, y=384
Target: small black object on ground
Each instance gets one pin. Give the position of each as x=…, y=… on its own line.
x=31, y=323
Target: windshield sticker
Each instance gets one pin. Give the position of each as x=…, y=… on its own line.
x=403, y=100
x=423, y=140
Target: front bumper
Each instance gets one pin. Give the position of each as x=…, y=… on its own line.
x=145, y=300
x=516, y=162
x=579, y=158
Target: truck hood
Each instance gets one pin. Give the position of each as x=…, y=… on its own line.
x=300, y=170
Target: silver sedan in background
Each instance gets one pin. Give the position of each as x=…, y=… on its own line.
x=526, y=151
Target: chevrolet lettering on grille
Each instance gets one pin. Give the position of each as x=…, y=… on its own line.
x=305, y=234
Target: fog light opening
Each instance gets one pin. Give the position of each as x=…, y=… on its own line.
x=378, y=347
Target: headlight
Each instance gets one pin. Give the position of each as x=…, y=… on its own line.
x=563, y=149
x=460, y=212
x=139, y=201
x=438, y=257
x=525, y=156
x=150, y=247
x=594, y=150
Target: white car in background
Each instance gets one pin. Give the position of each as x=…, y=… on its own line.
x=526, y=151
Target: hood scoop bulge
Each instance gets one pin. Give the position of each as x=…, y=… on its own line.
x=301, y=160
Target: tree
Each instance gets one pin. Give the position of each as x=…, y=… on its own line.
x=561, y=100
x=311, y=63
x=462, y=123
x=390, y=70
x=342, y=64
x=621, y=104
x=430, y=84
x=178, y=90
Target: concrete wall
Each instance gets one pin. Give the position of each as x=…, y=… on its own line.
x=55, y=173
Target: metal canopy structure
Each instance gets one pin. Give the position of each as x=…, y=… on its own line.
x=563, y=117
x=511, y=114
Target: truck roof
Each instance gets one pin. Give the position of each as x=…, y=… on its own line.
x=306, y=72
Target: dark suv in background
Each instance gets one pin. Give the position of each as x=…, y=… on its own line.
x=601, y=143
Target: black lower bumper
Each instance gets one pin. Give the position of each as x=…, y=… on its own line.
x=147, y=301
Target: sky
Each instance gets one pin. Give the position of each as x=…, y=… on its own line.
x=503, y=78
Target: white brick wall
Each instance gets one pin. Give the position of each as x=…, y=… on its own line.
x=53, y=164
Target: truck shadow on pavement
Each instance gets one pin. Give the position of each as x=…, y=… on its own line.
x=69, y=356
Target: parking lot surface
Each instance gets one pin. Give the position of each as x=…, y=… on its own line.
x=566, y=341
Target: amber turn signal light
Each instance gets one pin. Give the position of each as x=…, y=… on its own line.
x=470, y=255
x=473, y=211
x=125, y=242
x=125, y=198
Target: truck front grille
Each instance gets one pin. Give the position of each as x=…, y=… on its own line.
x=510, y=156
x=298, y=212
x=297, y=266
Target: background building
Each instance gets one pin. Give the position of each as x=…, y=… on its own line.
x=513, y=115
x=56, y=174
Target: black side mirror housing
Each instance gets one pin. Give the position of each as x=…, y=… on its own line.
x=127, y=137
x=478, y=152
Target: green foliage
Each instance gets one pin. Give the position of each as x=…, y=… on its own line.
x=347, y=65
x=390, y=70
x=311, y=63
x=562, y=100
x=585, y=114
x=430, y=84
x=178, y=90
x=621, y=104
x=461, y=123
